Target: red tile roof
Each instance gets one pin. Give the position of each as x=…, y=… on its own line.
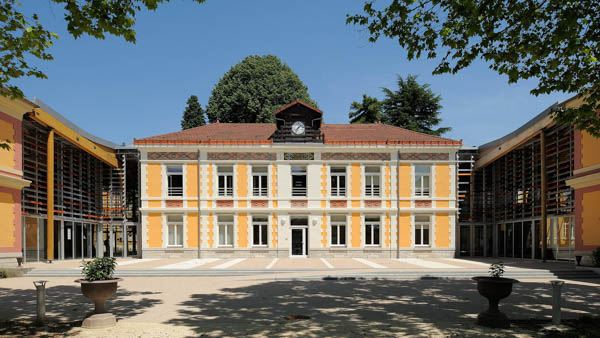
x=260, y=133
x=300, y=102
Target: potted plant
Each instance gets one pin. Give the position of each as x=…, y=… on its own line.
x=99, y=285
x=494, y=288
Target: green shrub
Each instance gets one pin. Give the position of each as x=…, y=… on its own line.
x=101, y=268
x=596, y=256
x=497, y=270
x=3, y=274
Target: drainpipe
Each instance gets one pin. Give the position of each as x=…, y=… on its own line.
x=199, y=218
x=398, y=202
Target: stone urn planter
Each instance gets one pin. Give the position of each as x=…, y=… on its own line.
x=99, y=285
x=494, y=288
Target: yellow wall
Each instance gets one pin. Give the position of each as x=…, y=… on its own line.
x=192, y=229
x=356, y=184
x=591, y=218
x=242, y=226
x=153, y=180
x=388, y=181
x=442, y=230
x=7, y=132
x=210, y=189
x=324, y=230
x=154, y=227
x=7, y=225
x=324, y=185
x=242, y=180
x=274, y=230
x=388, y=230
x=405, y=180
x=590, y=150
x=191, y=179
x=405, y=238
x=211, y=231
x=355, y=228
x=442, y=204
x=442, y=180
x=274, y=184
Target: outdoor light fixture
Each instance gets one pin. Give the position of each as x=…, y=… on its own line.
x=282, y=222
x=314, y=222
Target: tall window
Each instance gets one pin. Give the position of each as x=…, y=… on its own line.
x=225, y=230
x=338, y=230
x=299, y=181
x=372, y=230
x=175, y=230
x=372, y=178
x=422, y=181
x=225, y=176
x=338, y=181
x=422, y=224
x=175, y=180
x=260, y=226
x=259, y=181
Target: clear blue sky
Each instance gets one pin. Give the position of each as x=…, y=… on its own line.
x=118, y=91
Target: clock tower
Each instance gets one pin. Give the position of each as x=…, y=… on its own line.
x=298, y=122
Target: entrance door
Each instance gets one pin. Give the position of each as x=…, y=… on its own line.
x=299, y=242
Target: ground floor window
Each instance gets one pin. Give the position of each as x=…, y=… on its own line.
x=225, y=230
x=175, y=230
x=338, y=230
x=260, y=227
x=372, y=224
x=422, y=225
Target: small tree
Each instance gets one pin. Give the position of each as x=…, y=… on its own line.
x=367, y=111
x=413, y=106
x=193, y=115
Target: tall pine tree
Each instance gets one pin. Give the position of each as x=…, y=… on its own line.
x=413, y=106
x=193, y=115
x=367, y=111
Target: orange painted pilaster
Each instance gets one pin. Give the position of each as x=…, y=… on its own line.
x=442, y=230
x=274, y=230
x=405, y=238
x=355, y=227
x=405, y=180
x=192, y=229
x=442, y=180
x=324, y=231
x=50, y=196
x=242, y=225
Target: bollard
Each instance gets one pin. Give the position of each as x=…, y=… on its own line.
x=40, y=286
x=556, y=286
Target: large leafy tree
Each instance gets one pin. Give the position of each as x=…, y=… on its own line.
x=556, y=42
x=193, y=115
x=253, y=89
x=367, y=111
x=413, y=106
x=23, y=38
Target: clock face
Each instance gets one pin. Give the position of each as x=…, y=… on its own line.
x=298, y=128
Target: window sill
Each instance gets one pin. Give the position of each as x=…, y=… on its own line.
x=263, y=246
x=338, y=246
x=372, y=245
x=422, y=247
x=224, y=246
x=174, y=246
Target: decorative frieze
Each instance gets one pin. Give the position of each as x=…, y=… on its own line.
x=338, y=204
x=423, y=204
x=260, y=203
x=237, y=156
x=173, y=156
x=372, y=204
x=174, y=203
x=298, y=156
x=355, y=156
x=225, y=204
x=424, y=156
x=299, y=204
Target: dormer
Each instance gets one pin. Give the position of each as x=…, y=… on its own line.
x=298, y=122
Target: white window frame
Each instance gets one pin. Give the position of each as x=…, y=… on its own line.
x=422, y=190
x=225, y=224
x=172, y=191
x=262, y=176
x=337, y=191
x=298, y=192
x=178, y=227
x=370, y=190
x=371, y=224
x=225, y=191
x=260, y=221
x=338, y=224
x=423, y=225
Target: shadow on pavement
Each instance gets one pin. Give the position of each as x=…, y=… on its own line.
x=367, y=307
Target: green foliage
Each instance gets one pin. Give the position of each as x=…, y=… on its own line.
x=556, y=42
x=5, y=145
x=253, y=89
x=3, y=274
x=596, y=256
x=413, y=106
x=193, y=115
x=497, y=270
x=22, y=38
x=367, y=111
x=101, y=268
